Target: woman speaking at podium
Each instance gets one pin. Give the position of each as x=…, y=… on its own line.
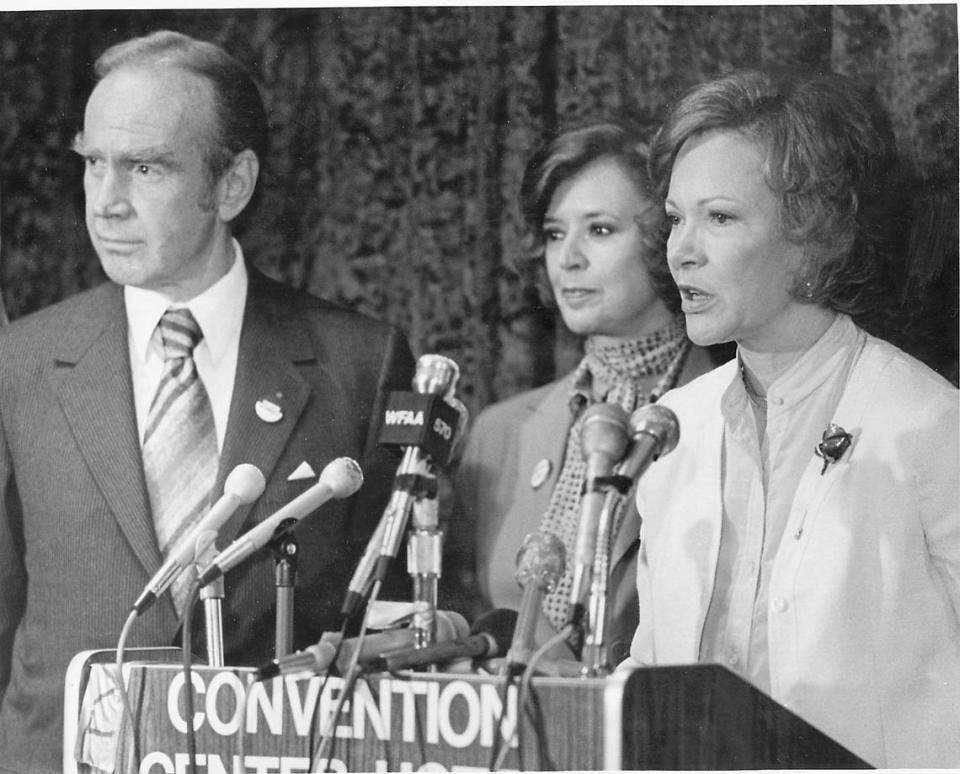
x=805, y=531
x=595, y=228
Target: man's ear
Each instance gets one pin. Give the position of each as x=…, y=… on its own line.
x=236, y=185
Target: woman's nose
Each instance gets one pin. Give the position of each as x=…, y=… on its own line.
x=572, y=254
x=683, y=247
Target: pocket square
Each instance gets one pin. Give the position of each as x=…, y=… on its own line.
x=303, y=471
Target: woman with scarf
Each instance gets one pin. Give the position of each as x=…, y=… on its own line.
x=596, y=228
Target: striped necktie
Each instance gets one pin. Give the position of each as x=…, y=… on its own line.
x=180, y=456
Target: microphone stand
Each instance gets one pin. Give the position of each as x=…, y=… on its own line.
x=593, y=656
x=212, y=596
x=424, y=559
x=285, y=546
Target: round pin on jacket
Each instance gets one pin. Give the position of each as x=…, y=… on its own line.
x=540, y=473
x=268, y=411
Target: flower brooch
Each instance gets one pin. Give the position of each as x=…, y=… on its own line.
x=833, y=445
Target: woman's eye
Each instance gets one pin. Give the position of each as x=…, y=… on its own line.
x=601, y=229
x=552, y=235
x=720, y=217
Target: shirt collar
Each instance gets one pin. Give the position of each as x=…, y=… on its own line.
x=218, y=311
x=826, y=357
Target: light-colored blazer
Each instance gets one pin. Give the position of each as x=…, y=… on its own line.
x=510, y=465
x=77, y=543
x=864, y=602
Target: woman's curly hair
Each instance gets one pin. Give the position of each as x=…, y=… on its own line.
x=830, y=158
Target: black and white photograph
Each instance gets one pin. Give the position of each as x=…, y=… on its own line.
x=479, y=387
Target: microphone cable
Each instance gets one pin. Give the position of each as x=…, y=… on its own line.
x=499, y=746
x=527, y=695
x=187, y=653
x=328, y=734
x=117, y=675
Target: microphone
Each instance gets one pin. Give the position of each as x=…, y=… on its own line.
x=244, y=485
x=423, y=424
x=541, y=561
x=489, y=638
x=319, y=658
x=603, y=439
x=654, y=432
x=339, y=479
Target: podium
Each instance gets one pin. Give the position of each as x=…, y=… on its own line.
x=685, y=717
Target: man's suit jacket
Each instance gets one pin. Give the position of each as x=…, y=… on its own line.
x=864, y=600
x=77, y=544
x=500, y=498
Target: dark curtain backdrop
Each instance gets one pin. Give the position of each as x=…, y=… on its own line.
x=399, y=136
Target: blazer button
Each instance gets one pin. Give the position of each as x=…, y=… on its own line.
x=779, y=604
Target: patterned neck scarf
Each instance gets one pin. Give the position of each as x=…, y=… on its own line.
x=610, y=373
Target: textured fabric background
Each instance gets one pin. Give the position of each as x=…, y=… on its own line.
x=399, y=137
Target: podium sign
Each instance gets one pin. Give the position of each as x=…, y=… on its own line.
x=405, y=722
x=664, y=718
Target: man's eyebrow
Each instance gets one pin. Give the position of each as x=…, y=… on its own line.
x=157, y=155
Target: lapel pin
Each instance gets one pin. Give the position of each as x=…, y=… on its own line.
x=833, y=445
x=303, y=471
x=540, y=473
x=268, y=410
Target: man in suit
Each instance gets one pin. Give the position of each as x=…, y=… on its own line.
x=173, y=136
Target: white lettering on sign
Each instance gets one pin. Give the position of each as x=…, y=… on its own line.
x=211, y=763
x=300, y=709
x=442, y=429
x=270, y=708
x=458, y=713
x=452, y=736
x=403, y=417
x=173, y=701
x=219, y=715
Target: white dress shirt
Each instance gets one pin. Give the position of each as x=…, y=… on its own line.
x=219, y=312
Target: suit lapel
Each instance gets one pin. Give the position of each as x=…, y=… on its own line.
x=93, y=384
x=272, y=342
x=543, y=436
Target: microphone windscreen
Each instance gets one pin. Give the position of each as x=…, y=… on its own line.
x=435, y=374
x=245, y=482
x=500, y=624
x=343, y=476
x=658, y=421
x=605, y=431
x=541, y=560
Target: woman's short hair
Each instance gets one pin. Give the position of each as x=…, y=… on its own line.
x=830, y=158
x=241, y=119
x=564, y=156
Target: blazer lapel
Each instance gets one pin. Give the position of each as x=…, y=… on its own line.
x=272, y=342
x=815, y=482
x=543, y=441
x=93, y=384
